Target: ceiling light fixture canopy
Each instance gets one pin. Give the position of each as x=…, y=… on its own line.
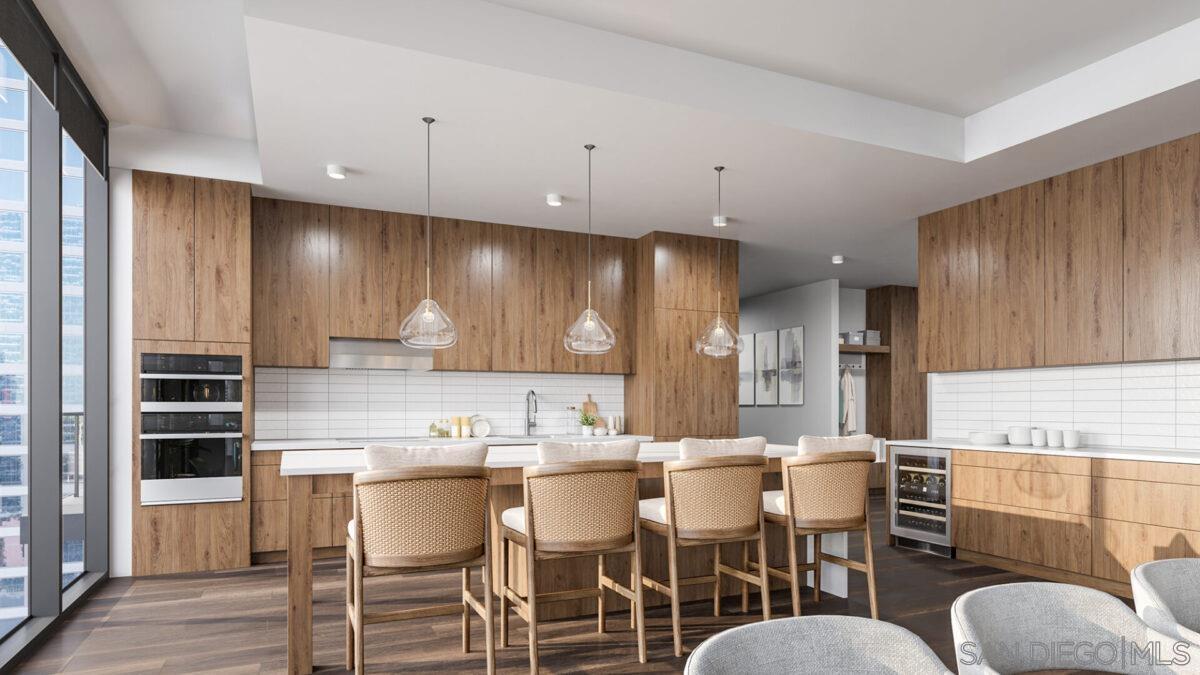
x=589, y=334
x=335, y=171
x=427, y=326
x=719, y=340
x=554, y=199
x=838, y=260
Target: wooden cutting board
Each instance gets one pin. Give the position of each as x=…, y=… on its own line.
x=590, y=407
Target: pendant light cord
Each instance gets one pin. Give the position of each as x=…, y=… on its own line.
x=428, y=217
x=589, y=148
x=719, y=169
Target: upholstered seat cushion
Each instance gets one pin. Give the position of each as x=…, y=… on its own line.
x=350, y=528
x=397, y=456
x=555, y=452
x=773, y=502
x=654, y=509
x=514, y=518
x=695, y=448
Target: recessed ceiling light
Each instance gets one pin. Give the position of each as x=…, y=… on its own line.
x=838, y=260
x=335, y=171
x=554, y=199
x=720, y=221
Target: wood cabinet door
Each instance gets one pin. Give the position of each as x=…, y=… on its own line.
x=403, y=269
x=462, y=285
x=716, y=392
x=612, y=298
x=561, y=297
x=948, y=289
x=514, y=298
x=356, y=250
x=164, y=263
x=1011, y=278
x=291, y=283
x=223, y=269
x=1162, y=251
x=676, y=372
x=1083, y=266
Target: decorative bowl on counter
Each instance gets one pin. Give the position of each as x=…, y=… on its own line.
x=987, y=438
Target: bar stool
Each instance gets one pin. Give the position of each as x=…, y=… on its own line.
x=581, y=501
x=823, y=493
x=419, y=518
x=711, y=497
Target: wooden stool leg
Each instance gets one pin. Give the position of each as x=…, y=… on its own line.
x=717, y=583
x=637, y=609
x=489, y=621
x=673, y=580
x=531, y=603
x=349, y=605
x=765, y=579
x=466, y=611
x=745, y=568
x=793, y=571
x=359, y=632
x=635, y=582
x=870, y=571
x=503, y=590
x=817, y=572
x=600, y=600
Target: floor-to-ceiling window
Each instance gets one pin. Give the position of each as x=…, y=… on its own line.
x=53, y=333
x=14, y=334
x=73, y=419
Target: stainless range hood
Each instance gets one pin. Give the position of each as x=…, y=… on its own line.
x=378, y=354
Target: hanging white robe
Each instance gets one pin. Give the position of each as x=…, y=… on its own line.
x=849, y=419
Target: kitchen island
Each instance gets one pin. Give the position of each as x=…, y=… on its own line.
x=305, y=471
x=1085, y=515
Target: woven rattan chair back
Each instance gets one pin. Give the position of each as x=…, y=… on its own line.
x=715, y=497
x=422, y=515
x=828, y=489
x=581, y=506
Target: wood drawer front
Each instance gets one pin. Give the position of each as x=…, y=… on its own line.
x=1078, y=466
x=1157, y=472
x=1165, y=504
x=1061, y=493
x=1119, y=547
x=1059, y=540
x=266, y=457
x=268, y=523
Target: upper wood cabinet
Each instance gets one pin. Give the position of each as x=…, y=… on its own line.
x=559, y=298
x=222, y=256
x=462, y=285
x=1083, y=266
x=685, y=269
x=948, y=272
x=403, y=254
x=191, y=264
x=514, y=298
x=1162, y=251
x=291, y=284
x=1011, y=278
x=164, y=263
x=356, y=254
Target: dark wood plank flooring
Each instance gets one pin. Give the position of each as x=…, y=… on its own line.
x=233, y=622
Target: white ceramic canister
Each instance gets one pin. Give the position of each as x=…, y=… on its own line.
x=1037, y=438
x=1054, y=438
x=1071, y=438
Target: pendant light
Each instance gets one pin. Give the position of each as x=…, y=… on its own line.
x=589, y=334
x=719, y=340
x=428, y=327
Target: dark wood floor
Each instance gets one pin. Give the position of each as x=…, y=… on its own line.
x=233, y=622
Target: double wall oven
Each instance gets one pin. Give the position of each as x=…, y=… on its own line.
x=920, y=498
x=191, y=428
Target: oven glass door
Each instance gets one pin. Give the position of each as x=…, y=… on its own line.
x=196, y=457
x=191, y=390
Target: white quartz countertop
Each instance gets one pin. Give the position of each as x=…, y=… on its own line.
x=318, y=462
x=360, y=443
x=1094, y=452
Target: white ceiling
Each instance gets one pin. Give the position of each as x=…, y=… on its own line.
x=813, y=169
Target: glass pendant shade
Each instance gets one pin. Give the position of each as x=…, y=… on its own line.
x=428, y=327
x=589, y=335
x=719, y=340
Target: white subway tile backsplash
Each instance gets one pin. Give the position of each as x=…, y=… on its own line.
x=1154, y=405
x=296, y=403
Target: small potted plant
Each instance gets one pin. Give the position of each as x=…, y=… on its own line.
x=587, y=423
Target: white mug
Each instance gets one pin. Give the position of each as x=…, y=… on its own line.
x=1019, y=436
x=1038, y=438
x=1070, y=438
x=1054, y=438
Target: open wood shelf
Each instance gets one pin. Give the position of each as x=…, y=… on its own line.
x=864, y=349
